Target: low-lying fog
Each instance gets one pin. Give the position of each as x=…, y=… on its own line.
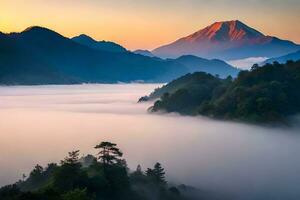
x=246, y=63
x=40, y=124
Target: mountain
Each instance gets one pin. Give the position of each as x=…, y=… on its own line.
x=194, y=64
x=267, y=94
x=38, y=55
x=227, y=40
x=283, y=59
x=144, y=52
x=98, y=45
x=214, y=66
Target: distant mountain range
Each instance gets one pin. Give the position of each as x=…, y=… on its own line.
x=196, y=64
x=38, y=55
x=98, y=45
x=283, y=59
x=214, y=66
x=227, y=40
x=144, y=52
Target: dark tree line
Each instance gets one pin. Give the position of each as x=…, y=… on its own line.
x=267, y=94
x=92, y=178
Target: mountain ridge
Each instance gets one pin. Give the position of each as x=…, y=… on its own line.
x=227, y=40
x=98, y=45
x=211, y=66
x=295, y=56
x=39, y=55
x=42, y=56
x=144, y=52
x=236, y=30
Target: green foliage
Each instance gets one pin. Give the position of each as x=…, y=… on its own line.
x=265, y=94
x=191, y=81
x=38, y=178
x=72, y=158
x=108, y=153
x=69, y=176
x=76, y=194
x=157, y=174
x=9, y=192
x=138, y=176
x=107, y=178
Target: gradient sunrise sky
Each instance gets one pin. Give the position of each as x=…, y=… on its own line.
x=146, y=24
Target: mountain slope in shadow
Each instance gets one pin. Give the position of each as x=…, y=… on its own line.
x=38, y=55
x=98, y=45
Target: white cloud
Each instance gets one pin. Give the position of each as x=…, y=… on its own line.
x=247, y=62
x=41, y=124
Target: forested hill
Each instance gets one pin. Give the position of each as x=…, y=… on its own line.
x=105, y=177
x=264, y=94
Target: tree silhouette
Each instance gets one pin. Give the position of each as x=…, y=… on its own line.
x=109, y=153
x=71, y=181
x=72, y=158
x=37, y=171
x=139, y=169
x=157, y=174
x=24, y=177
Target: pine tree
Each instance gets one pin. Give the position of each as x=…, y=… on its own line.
x=72, y=158
x=109, y=153
x=157, y=174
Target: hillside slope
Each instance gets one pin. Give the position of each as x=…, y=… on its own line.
x=214, y=66
x=283, y=59
x=41, y=56
x=263, y=95
x=98, y=45
x=38, y=55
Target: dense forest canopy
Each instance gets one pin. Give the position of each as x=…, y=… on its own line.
x=264, y=94
x=102, y=177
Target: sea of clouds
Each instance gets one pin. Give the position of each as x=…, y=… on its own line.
x=40, y=124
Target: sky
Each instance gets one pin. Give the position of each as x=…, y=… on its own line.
x=147, y=24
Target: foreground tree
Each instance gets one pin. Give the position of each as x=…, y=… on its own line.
x=109, y=153
x=69, y=175
x=157, y=174
x=108, y=179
